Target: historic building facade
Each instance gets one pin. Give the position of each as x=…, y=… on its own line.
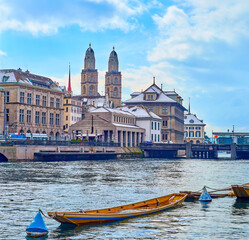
x=113, y=78
x=89, y=75
x=109, y=125
x=34, y=104
x=147, y=120
x=113, y=83
x=167, y=106
x=194, y=129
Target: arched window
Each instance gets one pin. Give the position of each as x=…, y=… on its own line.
x=116, y=80
x=91, y=90
x=197, y=142
x=115, y=92
x=37, y=131
x=57, y=136
x=84, y=89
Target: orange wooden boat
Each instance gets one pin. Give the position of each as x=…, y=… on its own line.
x=150, y=206
x=241, y=191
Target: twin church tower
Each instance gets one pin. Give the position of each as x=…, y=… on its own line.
x=89, y=78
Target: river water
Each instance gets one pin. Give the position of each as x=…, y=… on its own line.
x=80, y=185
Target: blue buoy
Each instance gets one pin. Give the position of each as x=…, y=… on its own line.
x=205, y=197
x=38, y=227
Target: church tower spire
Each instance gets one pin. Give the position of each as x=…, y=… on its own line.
x=113, y=82
x=89, y=75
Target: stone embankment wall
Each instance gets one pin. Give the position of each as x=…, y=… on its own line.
x=26, y=152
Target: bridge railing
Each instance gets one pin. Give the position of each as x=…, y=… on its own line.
x=57, y=143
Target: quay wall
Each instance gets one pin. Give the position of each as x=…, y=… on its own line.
x=26, y=152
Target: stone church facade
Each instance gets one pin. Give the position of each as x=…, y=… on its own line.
x=113, y=78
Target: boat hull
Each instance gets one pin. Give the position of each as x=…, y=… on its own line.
x=120, y=213
x=241, y=191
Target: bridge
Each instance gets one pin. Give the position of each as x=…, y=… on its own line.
x=195, y=150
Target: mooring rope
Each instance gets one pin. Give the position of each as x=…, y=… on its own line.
x=43, y=214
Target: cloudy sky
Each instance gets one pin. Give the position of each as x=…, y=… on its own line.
x=200, y=48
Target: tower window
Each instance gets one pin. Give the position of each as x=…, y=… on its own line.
x=91, y=90
x=116, y=80
x=115, y=92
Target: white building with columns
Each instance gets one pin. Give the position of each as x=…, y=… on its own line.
x=109, y=125
x=147, y=120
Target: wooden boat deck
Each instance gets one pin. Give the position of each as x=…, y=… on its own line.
x=120, y=212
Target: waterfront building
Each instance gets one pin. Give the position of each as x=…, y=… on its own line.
x=109, y=125
x=34, y=103
x=2, y=109
x=194, y=128
x=168, y=107
x=147, y=120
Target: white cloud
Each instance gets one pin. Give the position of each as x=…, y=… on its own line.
x=184, y=32
x=3, y=53
x=46, y=17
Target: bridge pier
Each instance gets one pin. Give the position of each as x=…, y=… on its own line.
x=188, y=150
x=233, y=151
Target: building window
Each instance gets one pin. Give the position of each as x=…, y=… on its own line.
x=158, y=138
x=57, y=103
x=21, y=97
x=164, y=110
x=66, y=109
x=91, y=90
x=28, y=116
x=29, y=98
x=43, y=118
x=151, y=137
x=7, y=97
x=152, y=125
x=57, y=119
x=21, y=116
x=165, y=123
x=115, y=92
x=150, y=97
x=198, y=134
x=186, y=134
x=37, y=117
x=51, y=102
x=155, y=137
x=7, y=115
x=116, y=80
x=44, y=101
x=51, y=119
x=191, y=134
x=37, y=100
x=158, y=126
x=66, y=118
x=155, y=125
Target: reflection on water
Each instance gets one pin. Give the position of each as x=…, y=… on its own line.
x=82, y=185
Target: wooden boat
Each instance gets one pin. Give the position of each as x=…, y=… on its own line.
x=196, y=195
x=241, y=191
x=150, y=206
